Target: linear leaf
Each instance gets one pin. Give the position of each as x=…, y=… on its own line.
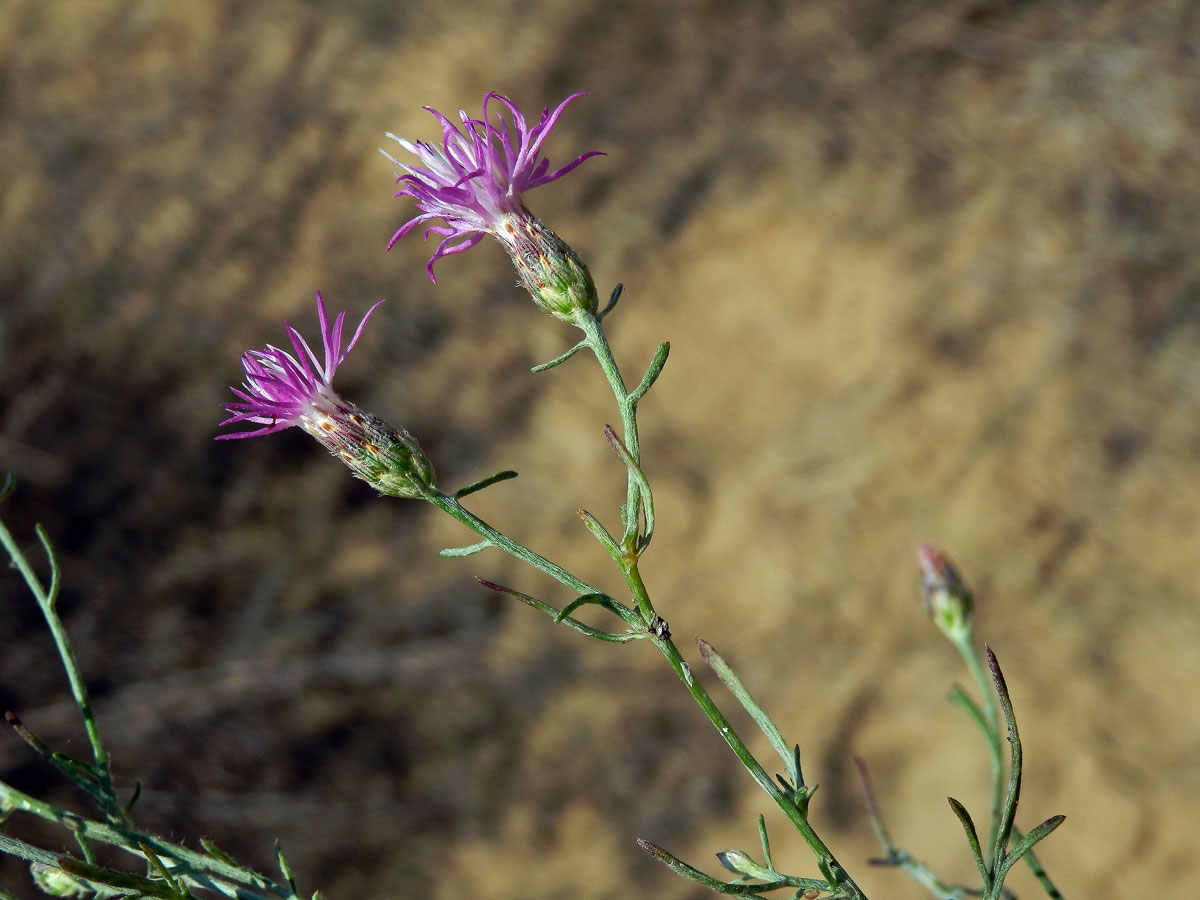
x=730, y=679
x=454, y=552
x=968, y=825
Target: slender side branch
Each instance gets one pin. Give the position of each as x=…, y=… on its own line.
x=104, y=793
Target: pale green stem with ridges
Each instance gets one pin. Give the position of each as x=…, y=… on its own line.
x=825, y=858
x=593, y=331
x=46, y=600
x=594, y=338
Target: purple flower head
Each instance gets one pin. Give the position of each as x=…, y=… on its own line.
x=282, y=390
x=474, y=179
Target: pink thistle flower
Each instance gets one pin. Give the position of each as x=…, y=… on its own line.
x=282, y=390
x=473, y=180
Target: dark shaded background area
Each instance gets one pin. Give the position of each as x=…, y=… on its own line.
x=929, y=273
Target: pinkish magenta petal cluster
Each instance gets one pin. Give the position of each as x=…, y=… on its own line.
x=280, y=389
x=473, y=180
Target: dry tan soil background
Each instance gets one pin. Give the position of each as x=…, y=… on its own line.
x=929, y=272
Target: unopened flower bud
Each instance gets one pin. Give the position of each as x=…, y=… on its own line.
x=555, y=276
x=56, y=882
x=947, y=599
x=387, y=458
x=743, y=864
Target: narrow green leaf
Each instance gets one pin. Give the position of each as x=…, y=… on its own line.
x=582, y=600
x=284, y=867
x=765, y=841
x=216, y=852
x=559, y=360
x=968, y=825
x=455, y=552
x=730, y=679
x=612, y=300
x=89, y=855
x=134, y=797
x=598, y=634
x=55, y=573
x=82, y=774
x=162, y=870
x=652, y=373
x=475, y=486
x=678, y=866
x=635, y=472
x=1026, y=843
x=1009, y=811
x=7, y=486
x=601, y=534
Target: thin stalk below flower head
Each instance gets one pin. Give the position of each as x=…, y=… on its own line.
x=283, y=390
x=474, y=180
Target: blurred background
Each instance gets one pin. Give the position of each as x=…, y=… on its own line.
x=929, y=272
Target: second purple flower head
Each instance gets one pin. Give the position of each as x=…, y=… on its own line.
x=282, y=390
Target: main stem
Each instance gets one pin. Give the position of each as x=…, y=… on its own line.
x=593, y=331
x=595, y=339
x=825, y=858
x=666, y=646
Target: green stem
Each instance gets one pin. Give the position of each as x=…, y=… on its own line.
x=452, y=507
x=200, y=866
x=46, y=599
x=594, y=337
x=825, y=858
x=838, y=879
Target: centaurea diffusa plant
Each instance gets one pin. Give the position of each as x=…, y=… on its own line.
x=473, y=182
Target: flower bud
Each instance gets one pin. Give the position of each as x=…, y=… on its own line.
x=387, y=458
x=947, y=599
x=56, y=882
x=555, y=276
x=743, y=864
